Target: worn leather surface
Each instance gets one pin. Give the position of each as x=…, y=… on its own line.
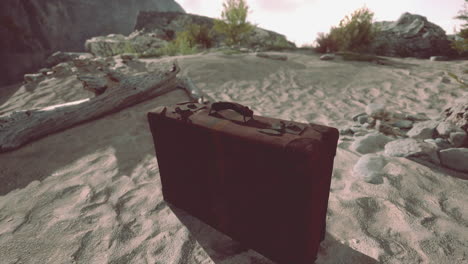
x=269, y=192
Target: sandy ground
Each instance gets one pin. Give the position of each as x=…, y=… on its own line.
x=92, y=193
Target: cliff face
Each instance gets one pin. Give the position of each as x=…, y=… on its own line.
x=31, y=30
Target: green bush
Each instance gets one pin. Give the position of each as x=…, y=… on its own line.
x=325, y=43
x=233, y=23
x=200, y=35
x=181, y=45
x=354, y=33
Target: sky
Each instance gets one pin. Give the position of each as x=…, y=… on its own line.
x=301, y=20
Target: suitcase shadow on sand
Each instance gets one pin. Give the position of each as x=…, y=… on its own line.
x=223, y=250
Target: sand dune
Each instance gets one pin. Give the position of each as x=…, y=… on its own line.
x=92, y=193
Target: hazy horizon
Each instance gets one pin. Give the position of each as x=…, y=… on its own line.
x=297, y=19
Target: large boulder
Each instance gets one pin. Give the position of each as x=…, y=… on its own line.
x=411, y=36
x=166, y=24
x=455, y=158
x=30, y=31
x=114, y=44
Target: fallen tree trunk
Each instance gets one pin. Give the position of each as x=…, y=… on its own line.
x=21, y=127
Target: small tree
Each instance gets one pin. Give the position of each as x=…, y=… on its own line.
x=233, y=23
x=354, y=33
x=461, y=44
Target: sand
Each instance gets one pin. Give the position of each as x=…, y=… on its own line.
x=92, y=193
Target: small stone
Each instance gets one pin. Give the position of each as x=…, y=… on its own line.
x=439, y=143
x=355, y=117
x=362, y=119
x=327, y=57
x=423, y=130
x=458, y=139
x=377, y=111
x=445, y=128
x=455, y=158
x=410, y=147
x=446, y=79
x=417, y=117
x=370, y=143
x=369, y=168
x=386, y=129
x=438, y=58
x=360, y=133
x=33, y=78
x=403, y=124
x=346, y=131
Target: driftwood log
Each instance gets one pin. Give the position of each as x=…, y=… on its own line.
x=21, y=127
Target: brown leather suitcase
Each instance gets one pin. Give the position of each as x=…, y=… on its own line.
x=262, y=181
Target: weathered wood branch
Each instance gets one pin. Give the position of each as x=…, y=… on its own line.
x=21, y=127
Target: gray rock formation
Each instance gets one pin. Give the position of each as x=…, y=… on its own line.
x=166, y=24
x=114, y=44
x=369, y=168
x=411, y=36
x=30, y=30
x=326, y=57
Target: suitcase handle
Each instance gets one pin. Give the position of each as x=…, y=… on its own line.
x=241, y=109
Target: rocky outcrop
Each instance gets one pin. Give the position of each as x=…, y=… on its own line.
x=30, y=30
x=114, y=44
x=166, y=24
x=411, y=36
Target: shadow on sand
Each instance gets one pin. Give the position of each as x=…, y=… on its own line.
x=222, y=249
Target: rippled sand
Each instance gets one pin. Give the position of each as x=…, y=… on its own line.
x=92, y=193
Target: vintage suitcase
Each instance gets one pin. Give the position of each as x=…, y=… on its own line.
x=262, y=181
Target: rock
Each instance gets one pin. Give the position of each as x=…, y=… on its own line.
x=272, y=56
x=404, y=124
x=410, y=147
x=417, y=117
x=458, y=139
x=457, y=112
x=355, y=117
x=326, y=57
x=60, y=56
x=369, y=168
x=439, y=143
x=370, y=143
x=423, y=130
x=115, y=44
x=438, y=58
x=360, y=133
x=445, y=128
x=31, y=31
x=410, y=36
x=386, y=129
x=362, y=119
x=377, y=111
x=346, y=131
x=33, y=77
x=446, y=80
x=455, y=158
x=95, y=84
